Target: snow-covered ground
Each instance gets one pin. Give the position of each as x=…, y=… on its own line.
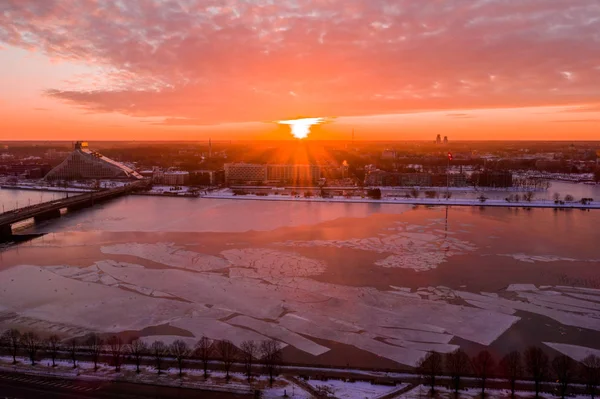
x=228, y=194
x=68, y=186
x=421, y=391
x=354, y=390
x=192, y=378
x=162, y=189
x=36, y=187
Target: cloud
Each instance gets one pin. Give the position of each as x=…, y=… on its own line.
x=459, y=115
x=585, y=108
x=215, y=61
x=577, y=121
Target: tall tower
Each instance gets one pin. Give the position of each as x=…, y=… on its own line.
x=438, y=139
x=209, y=148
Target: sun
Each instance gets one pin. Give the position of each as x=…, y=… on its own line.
x=301, y=127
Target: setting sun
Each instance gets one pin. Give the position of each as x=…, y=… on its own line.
x=300, y=128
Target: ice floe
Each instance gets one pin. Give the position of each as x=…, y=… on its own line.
x=97, y=307
x=521, y=287
x=575, y=352
x=168, y=254
x=270, y=263
x=274, y=330
x=408, y=249
x=545, y=258
x=268, y=298
x=529, y=298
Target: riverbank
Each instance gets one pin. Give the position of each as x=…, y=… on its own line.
x=413, y=201
x=44, y=188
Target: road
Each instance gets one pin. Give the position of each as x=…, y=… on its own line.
x=18, y=386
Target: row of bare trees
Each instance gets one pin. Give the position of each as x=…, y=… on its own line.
x=533, y=364
x=251, y=353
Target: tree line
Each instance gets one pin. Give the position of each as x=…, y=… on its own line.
x=533, y=364
x=267, y=354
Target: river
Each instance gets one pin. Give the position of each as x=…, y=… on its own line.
x=369, y=285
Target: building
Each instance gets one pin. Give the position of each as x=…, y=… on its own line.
x=84, y=163
x=388, y=154
x=207, y=177
x=54, y=154
x=25, y=171
x=175, y=178
x=243, y=173
x=293, y=174
x=382, y=178
x=493, y=178
x=438, y=139
x=445, y=139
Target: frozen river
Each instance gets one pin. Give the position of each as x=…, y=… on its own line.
x=340, y=284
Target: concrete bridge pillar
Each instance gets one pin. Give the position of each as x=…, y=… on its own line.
x=55, y=213
x=5, y=232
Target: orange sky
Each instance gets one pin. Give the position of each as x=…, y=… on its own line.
x=390, y=69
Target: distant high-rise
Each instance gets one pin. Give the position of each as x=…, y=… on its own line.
x=209, y=148
x=438, y=139
x=445, y=139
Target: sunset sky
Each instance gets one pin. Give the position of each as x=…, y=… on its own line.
x=227, y=69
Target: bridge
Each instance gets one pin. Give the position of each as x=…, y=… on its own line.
x=51, y=209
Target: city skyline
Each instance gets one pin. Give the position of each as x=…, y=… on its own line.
x=161, y=70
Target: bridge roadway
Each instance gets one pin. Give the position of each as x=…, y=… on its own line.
x=51, y=209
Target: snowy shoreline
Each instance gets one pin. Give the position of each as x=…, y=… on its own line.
x=51, y=189
x=413, y=201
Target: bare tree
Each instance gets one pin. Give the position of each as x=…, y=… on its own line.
x=528, y=196
x=591, y=373
x=73, y=348
x=93, y=346
x=556, y=197
x=457, y=365
x=52, y=346
x=116, y=346
x=536, y=363
x=226, y=351
x=203, y=351
x=483, y=366
x=31, y=343
x=564, y=369
x=159, y=350
x=569, y=198
x=137, y=349
x=249, y=353
x=12, y=339
x=430, y=367
x=179, y=349
x=271, y=357
x=512, y=369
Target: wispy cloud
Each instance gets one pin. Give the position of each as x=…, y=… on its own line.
x=459, y=115
x=577, y=121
